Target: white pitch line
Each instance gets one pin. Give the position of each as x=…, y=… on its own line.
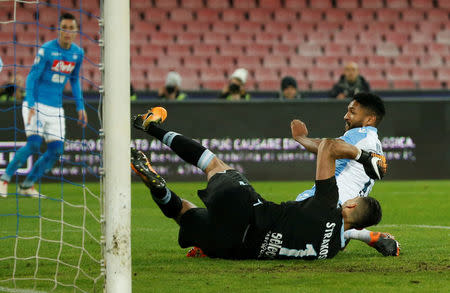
x=416, y=226
x=12, y=290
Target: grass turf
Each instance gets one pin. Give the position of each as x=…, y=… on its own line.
x=417, y=213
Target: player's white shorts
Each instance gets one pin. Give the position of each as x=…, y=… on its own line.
x=48, y=122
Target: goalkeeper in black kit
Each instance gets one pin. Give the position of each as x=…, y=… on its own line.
x=237, y=222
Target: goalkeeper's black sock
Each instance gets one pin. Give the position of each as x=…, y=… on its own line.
x=169, y=203
x=186, y=148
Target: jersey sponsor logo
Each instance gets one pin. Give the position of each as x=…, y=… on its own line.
x=63, y=66
x=41, y=51
x=259, y=202
x=271, y=245
x=56, y=54
x=37, y=59
x=324, y=247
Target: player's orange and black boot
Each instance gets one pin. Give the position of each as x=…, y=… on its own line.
x=155, y=115
x=384, y=243
x=141, y=166
x=374, y=164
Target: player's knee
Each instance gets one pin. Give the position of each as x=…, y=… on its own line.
x=34, y=143
x=56, y=148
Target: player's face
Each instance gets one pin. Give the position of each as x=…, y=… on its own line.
x=356, y=116
x=67, y=33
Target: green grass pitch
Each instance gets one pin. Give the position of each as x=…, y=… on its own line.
x=416, y=212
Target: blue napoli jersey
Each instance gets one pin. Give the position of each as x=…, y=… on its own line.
x=351, y=179
x=52, y=68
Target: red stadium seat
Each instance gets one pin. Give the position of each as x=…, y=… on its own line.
x=301, y=62
x=137, y=38
x=185, y=72
x=181, y=15
x=205, y=50
x=179, y=51
x=371, y=73
x=249, y=62
x=212, y=74
x=142, y=85
x=371, y=38
x=387, y=49
x=285, y=15
x=198, y=27
x=223, y=27
x=302, y=27
x=397, y=4
x=333, y=49
x=443, y=37
x=250, y=27
x=361, y=50
x=268, y=85
x=413, y=15
x=276, y=27
x=222, y=62
x=206, y=14
x=197, y=62
x=311, y=15
x=151, y=50
x=405, y=61
x=419, y=74
x=272, y=4
x=233, y=15
x=430, y=84
x=443, y=74
x=334, y=15
x=157, y=74
x=142, y=61
x=218, y=4
x=330, y=27
x=171, y=27
x=170, y=63
x=438, y=49
x=267, y=38
x=283, y=49
x=213, y=85
x=348, y=4
x=295, y=4
x=388, y=15
x=363, y=15
x=421, y=4
x=413, y=49
x=321, y=4
x=405, y=27
x=397, y=73
x=372, y=4
x=248, y=4
x=214, y=38
x=265, y=75
x=259, y=14
x=379, y=27
x=259, y=50
x=422, y=38
x=381, y=84
x=319, y=37
x=322, y=85
x=430, y=27
x=297, y=73
x=397, y=38
x=406, y=84
x=431, y=61
x=310, y=50
x=345, y=37
x=192, y=4
x=239, y=38
x=360, y=60
x=165, y=3
x=188, y=38
x=275, y=61
x=318, y=74
x=437, y=15
x=231, y=50
x=161, y=38
x=330, y=62
x=156, y=15
x=190, y=83
x=143, y=27
x=443, y=4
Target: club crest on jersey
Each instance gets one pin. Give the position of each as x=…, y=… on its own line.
x=63, y=66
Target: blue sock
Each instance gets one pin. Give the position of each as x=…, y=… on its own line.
x=45, y=162
x=33, y=146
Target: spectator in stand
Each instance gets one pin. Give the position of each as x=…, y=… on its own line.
x=13, y=90
x=350, y=83
x=235, y=90
x=289, y=89
x=133, y=95
x=172, y=91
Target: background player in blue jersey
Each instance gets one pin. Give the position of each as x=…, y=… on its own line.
x=363, y=115
x=57, y=62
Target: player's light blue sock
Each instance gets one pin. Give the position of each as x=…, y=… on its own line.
x=33, y=146
x=45, y=162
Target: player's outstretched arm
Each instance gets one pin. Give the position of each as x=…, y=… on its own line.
x=300, y=133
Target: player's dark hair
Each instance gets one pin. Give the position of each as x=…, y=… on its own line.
x=373, y=103
x=369, y=213
x=67, y=15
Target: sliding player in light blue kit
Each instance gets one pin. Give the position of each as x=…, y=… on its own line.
x=57, y=62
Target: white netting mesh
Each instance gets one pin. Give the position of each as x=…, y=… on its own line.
x=54, y=242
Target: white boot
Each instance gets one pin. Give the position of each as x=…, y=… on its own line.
x=31, y=191
x=3, y=188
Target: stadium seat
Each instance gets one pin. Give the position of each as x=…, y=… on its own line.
x=443, y=37
x=330, y=62
x=205, y=50
x=268, y=85
x=405, y=27
x=413, y=15
x=249, y=62
x=265, y=75
x=186, y=72
x=178, y=51
x=188, y=38
x=379, y=27
x=165, y=3
x=388, y=15
x=274, y=62
x=443, y=74
x=276, y=27
x=413, y=49
x=295, y=4
x=222, y=61
x=438, y=49
x=301, y=62
x=223, y=27
x=233, y=15
x=239, y=38
x=310, y=50
x=259, y=15
x=335, y=15
x=361, y=50
x=330, y=27
x=267, y=38
x=259, y=50
x=296, y=72
x=397, y=38
x=272, y=4
x=248, y=4
x=198, y=27
x=302, y=28
x=371, y=73
x=318, y=74
x=231, y=50
x=347, y=4
x=363, y=15
x=372, y=4
x=250, y=27
x=193, y=4
x=161, y=38
x=318, y=37
x=209, y=15
x=322, y=85
x=212, y=74
x=424, y=38
x=397, y=73
x=196, y=62
x=311, y=15
x=381, y=84
x=421, y=74
x=387, y=49
x=321, y=4
x=214, y=38
x=333, y=49
x=371, y=38
x=431, y=61
x=430, y=84
x=430, y=27
x=142, y=61
x=405, y=61
x=213, y=85
x=156, y=15
x=344, y=37
x=283, y=49
x=181, y=15
x=151, y=50
x=285, y=15
x=406, y=84
x=169, y=63
x=421, y=4
x=23, y=15
x=437, y=15
x=397, y=4
x=217, y=4
x=360, y=60
x=171, y=27
x=190, y=83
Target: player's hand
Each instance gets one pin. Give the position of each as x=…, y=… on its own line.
x=298, y=128
x=31, y=113
x=82, y=118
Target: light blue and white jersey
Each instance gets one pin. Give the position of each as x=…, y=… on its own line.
x=352, y=180
x=1, y=64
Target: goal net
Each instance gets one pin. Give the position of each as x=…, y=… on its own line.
x=54, y=242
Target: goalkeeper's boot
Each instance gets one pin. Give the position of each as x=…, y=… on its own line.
x=3, y=188
x=374, y=164
x=196, y=252
x=29, y=191
x=385, y=243
x=155, y=115
x=141, y=166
